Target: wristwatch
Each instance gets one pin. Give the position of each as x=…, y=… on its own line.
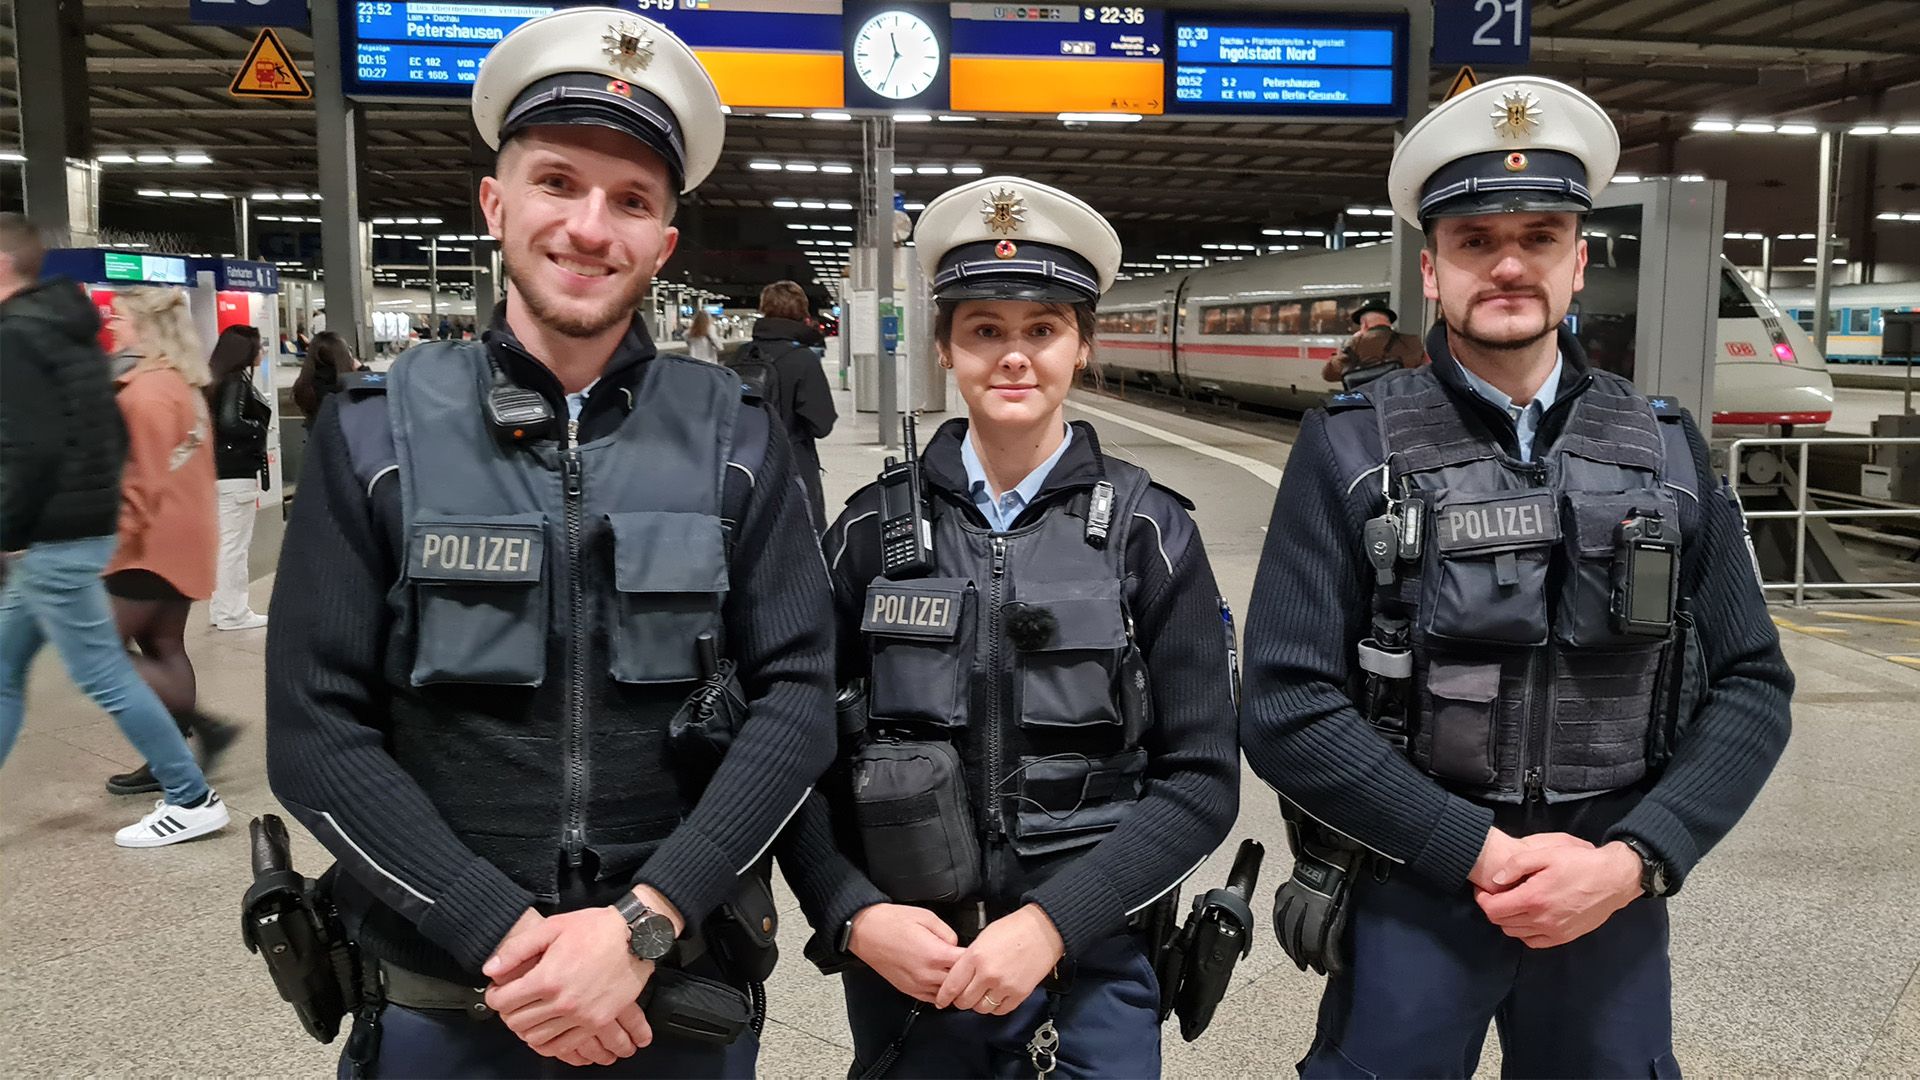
x=1653, y=871
x=649, y=933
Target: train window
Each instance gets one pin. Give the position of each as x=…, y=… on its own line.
x=1260, y=321
x=1734, y=302
x=1860, y=320
x=1236, y=319
x=1833, y=320
x=1287, y=318
x=1324, y=317
x=1804, y=318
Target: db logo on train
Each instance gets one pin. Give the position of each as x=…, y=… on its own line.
x=1741, y=349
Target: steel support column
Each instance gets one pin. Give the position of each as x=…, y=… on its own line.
x=54, y=130
x=1831, y=143
x=1408, y=296
x=336, y=131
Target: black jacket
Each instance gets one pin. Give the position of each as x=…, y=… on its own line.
x=328, y=697
x=240, y=420
x=62, y=441
x=803, y=389
x=1193, y=772
x=1304, y=735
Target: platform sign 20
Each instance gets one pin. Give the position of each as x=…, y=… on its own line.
x=1482, y=32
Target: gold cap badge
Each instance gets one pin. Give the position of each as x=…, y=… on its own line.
x=1005, y=249
x=1004, y=211
x=629, y=45
x=1517, y=115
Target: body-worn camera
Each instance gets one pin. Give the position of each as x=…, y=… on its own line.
x=1646, y=571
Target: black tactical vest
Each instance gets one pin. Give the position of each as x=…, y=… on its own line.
x=1019, y=649
x=1522, y=688
x=547, y=611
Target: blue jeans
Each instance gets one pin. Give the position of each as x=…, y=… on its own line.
x=54, y=593
x=1108, y=1020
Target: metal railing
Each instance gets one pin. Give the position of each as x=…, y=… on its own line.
x=1799, y=585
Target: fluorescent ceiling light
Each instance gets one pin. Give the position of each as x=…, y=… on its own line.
x=1870, y=129
x=951, y=118
x=764, y=166
x=154, y=159
x=903, y=170
x=1692, y=178
x=796, y=225
x=1905, y=129
x=181, y=195
x=1099, y=118
x=1796, y=129
x=842, y=228
x=786, y=116
x=967, y=170
x=1910, y=217
x=115, y=159
x=833, y=117
x=837, y=168
x=296, y=196
x=1891, y=215
x=383, y=221
x=1713, y=125
x=931, y=170
x=406, y=221
x=145, y=193
x=1626, y=178
x=813, y=204
x=1753, y=127
x=915, y=206
x=911, y=118
x=839, y=206
x=801, y=167
x=785, y=204
x=192, y=158
x=212, y=195
x=821, y=228
x=430, y=221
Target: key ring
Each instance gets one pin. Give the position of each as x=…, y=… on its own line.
x=1040, y=1051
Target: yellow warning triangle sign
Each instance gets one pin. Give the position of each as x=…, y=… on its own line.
x=1462, y=82
x=269, y=72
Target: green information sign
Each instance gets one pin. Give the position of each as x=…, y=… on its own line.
x=124, y=267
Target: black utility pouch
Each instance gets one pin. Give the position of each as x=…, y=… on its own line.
x=910, y=802
x=670, y=580
x=1485, y=580
x=1070, y=636
x=740, y=933
x=691, y=1007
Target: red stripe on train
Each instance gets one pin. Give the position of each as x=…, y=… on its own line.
x=1760, y=419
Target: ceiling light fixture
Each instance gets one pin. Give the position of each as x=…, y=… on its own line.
x=1870, y=129
x=192, y=158
x=154, y=159
x=832, y=117
x=1753, y=127
x=764, y=166
x=115, y=159
x=1099, y=118
x=1796, y=129
x=1713, y=125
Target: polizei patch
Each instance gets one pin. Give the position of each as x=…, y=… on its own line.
x=913, y=609
x=442, y=551
x=1511, y=522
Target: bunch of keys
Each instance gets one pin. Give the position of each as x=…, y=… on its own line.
x=1041, y=1050
x=1394, y=536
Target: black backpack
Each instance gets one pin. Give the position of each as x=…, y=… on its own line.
x=753, y=363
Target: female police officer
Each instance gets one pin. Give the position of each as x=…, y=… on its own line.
x=1048, y=735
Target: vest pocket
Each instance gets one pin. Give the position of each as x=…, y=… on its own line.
x=1485, y=580
x=1583, y=615
x=920, y=632
x=1070, y=638
x=1463, y=698
x=480, y=599
x=1070, y=801
x=669, y=577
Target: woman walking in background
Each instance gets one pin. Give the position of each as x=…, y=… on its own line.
x=240, y=421
x=169, y=530
x=702, y=343
x=328, y=361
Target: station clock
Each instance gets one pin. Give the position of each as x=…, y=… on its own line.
x=896, y=54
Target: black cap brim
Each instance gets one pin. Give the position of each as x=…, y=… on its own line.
x=584, y=99
x=1508, y=202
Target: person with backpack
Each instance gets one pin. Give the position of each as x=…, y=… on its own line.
x=779, y=365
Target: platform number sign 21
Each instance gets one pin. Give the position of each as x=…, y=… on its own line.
x=1482, y=32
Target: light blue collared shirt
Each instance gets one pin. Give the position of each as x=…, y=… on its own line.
x=1526, y=418
x=1003, y=512
x=576, y=402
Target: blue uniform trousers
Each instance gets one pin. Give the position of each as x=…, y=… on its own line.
x=1427, y=971
x=437, y=1043
x=1108, y=1020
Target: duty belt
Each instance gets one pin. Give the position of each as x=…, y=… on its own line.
x=412, y=990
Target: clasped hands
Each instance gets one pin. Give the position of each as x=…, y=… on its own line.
x=1551, y=888
x=568, y=986
x=921, y=957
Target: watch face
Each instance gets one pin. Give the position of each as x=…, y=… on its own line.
x=896, y=55
x=650, y=937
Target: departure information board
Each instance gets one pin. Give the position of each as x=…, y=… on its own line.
x=1001, y=58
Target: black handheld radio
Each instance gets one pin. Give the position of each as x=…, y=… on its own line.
x=906, y=534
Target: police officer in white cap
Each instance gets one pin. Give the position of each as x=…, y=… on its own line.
x=555, y=671
x=1552, y=685
x=1045, y=745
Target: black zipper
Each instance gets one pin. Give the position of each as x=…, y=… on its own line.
x=1534, y=728
x=995, y=679
x=574, y=837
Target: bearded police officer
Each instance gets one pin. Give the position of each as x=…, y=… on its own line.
x=1553, y=686
x=509, y=569
x=1045, y=746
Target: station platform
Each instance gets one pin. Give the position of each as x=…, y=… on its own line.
x=1794, y=946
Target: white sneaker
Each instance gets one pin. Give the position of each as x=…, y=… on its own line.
x=170, y=824
x=252, y=620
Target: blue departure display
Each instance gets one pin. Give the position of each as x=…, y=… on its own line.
x=1302, y=67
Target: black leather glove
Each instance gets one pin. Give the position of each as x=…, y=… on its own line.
x=1310, y=911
